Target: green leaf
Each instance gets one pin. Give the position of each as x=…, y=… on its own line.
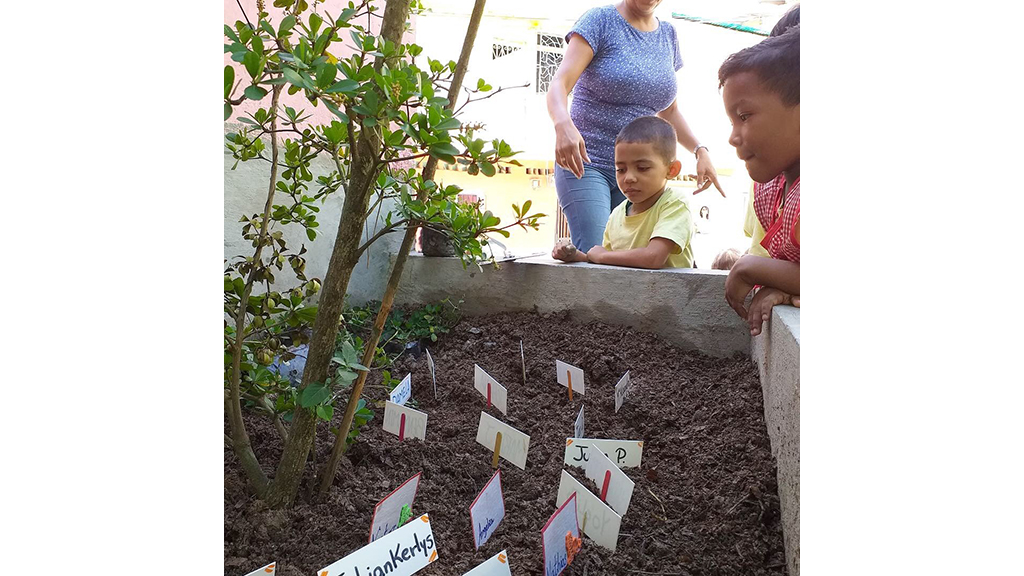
x=286, y=26
x=294, y=77
x=448, y=124
x=334, y=109
x=230, y=33
x=252, y=64
x=229, y=79
x=325, y=74
x=526, y=206
x=227, y=110
x=348, y=352
x=257, y=43
x=345, y=86
x=255, y=93
x=487, y=168
x=311, y=234
x=266, y=27
x=325, y=412
x=314, y=23
x=315, y=393
x=443, y=148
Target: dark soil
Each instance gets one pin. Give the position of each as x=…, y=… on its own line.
x=705, y=501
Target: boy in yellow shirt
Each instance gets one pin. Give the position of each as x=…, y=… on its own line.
x=653, y=226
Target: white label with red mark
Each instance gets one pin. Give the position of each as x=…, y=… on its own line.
x=623, y=453
x=514, y=444
x=553, y=535
x=614, y=487
x=268, y=570
x=567, y=372
x=621, y=390
x=602, y=523
x=404, y=422
x=389, y=510
x=495, y=394
x=487, y=511
x=401, y=394
x=497, y=565
x=401, y=553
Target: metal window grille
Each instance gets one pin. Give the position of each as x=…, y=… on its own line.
x=561, y=224
x=498, y=50
x=549, y=56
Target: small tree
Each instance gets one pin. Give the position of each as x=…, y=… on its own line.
x=387, y=112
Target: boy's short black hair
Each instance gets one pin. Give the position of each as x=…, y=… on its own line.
x=651, y=130
x=775, y=60
x=789, y=19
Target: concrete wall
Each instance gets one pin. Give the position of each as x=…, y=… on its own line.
x=777, y=355
x=687, y=307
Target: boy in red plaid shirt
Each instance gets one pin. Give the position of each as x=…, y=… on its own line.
x=761, y=90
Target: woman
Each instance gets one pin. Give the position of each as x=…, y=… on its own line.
x=622, y=62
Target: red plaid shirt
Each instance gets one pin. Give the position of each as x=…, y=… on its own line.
x=779, y=228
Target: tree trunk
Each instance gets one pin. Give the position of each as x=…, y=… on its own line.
x=344, y=257
x=340, y=443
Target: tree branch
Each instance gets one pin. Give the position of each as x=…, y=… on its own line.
x=488, y=96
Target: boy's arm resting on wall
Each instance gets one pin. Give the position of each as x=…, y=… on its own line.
x=653, y=256
x=566, y=252
x=751, y=270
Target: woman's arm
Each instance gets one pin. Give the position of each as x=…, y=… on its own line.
x=706, y=174
x=570, y=150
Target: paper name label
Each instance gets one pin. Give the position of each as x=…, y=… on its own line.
x=514, y=444
x=389, y=510
x=401, y=394
x=621, y=390
x=578, y=426
x=522, y=357
x=614, y=487
x=487, y=510
x=567, y=371
x=602, y=523
x=400, y=553
x=433, y=375
x=497, y=394
x=269, y=569
x=497, y=565
x=404, y=422
x=623, y=453
x=563, y=521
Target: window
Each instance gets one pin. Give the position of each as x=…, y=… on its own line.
x=549, y=57
x=498, y=50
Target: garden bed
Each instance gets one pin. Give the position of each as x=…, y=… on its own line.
x=705, y=500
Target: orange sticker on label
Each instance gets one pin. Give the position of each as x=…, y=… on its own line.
x=433, y=556
x=501, y=558
x=424, y=518
x=568, y=441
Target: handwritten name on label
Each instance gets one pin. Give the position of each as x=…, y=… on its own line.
x=433, y=376
x=578, y=426
x=487, y=510
x=619, y=489
x=400, y=553
x=621, y=390
x=388, y=511
x=564, y=371
x=556, y=556
x=498, y=393
x=624, y=453
x=514, y=444
x=497, y=565
x=415, y=421
x=602, y=522
x=268, y=570
x=401, y=394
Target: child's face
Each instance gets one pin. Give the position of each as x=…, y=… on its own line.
x=765, y=132
x=640, y=171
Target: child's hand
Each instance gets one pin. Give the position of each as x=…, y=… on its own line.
x=595, y=253
x=761, y=307
x=737, y=286
x=564, y=251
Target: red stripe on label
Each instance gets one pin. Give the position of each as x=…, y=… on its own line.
x=488, y=394
x=604, y=488
x=401, y=429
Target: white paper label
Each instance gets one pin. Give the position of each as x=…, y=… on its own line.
x=578, y=426
x=514, y=444
x=401, y=394
x=268, y=570
x=433, y=375
x=623, y=453
x=614, y=487
x=487, y=510
x=602, y=523
x=400, y=553
x=621, y=390
x=414, y=425
x=497, y=565
x=388, y=510
x=567, y=372
x=563, y=521
x=497, y=393
x=522, y=357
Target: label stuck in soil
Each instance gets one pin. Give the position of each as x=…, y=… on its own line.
x=623, y=453
x=401, y=394
x=497, y=565
x=405, y=422
x=388, y=511
x=514, y=444
x=578, y=426
x=553, y=535
x=621, y=390
x=616, y=489
x=495, y=394
x=602, y=522
x=400, y=553
x=487, y=511
x=567, y=372
x=268, y=570
x=433, y=375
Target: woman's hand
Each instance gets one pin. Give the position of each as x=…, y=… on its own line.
x=570, y=150
x=706, y=173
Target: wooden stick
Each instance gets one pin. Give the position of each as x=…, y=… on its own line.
x=497, y=450
x=488, y=394
x=569, y=374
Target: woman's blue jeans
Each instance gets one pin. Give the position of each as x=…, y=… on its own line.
x=587, y=202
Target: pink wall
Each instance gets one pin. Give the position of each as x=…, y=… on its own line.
x=320, y=114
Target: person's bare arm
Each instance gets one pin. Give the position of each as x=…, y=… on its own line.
x=570, y=150
x=751, y=270
x=653, y=256
x=706, y=174
x=566, y=252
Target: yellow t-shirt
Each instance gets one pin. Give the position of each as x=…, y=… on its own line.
x=669, y=218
